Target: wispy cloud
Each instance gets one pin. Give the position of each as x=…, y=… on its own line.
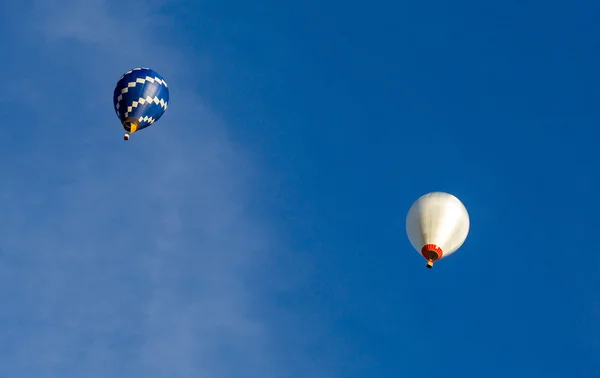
x=133, y=259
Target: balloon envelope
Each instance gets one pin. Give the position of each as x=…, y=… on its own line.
x=437, y=225
x=140, y=98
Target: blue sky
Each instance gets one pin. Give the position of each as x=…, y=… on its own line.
x=258, y=229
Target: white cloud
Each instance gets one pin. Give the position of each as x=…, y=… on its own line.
x=131, y=259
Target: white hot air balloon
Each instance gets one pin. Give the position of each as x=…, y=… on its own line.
x=437, y=225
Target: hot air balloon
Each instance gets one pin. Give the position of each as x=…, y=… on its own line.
x=140, y=99
x=437, y=225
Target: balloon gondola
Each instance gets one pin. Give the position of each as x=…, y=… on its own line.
x=140, y=99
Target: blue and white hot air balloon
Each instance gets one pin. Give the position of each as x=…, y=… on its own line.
x=140, y=99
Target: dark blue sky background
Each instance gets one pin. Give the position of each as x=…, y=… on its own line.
x=346, y=112
x=363, y=107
